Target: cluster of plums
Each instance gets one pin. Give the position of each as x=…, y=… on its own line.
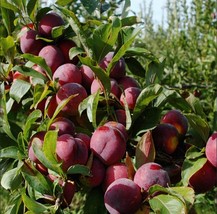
x=105, y=150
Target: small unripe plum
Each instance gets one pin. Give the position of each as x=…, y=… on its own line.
x=118, y=70
x=84, y=137
x=108, y=144
x=122, y=196
x=97, y=172
x=118, y=126
x=150, y=174
x=48, y=22
x=67, y=73
x=211, y=149
x=177, y=119
x=127, y=81
x=165, y=137
x=204, y=179
x=96, y=85
x=65, y=45
x=29, y=43
x=130, y=95
x=67, y=90
x=114, y=172
x=63, y=125
x=87, y=76
x=52, y=56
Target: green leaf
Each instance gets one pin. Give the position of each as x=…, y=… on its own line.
x=154, y=72
x=63, y=2
x=92, y=105
x=79, y=169
x=196, y=106
x=146, y=96
x=6, y=4
x=57, y=31
x=31, y=8
x=18, y=89
x=95, y=202
x=90, y=6
x=199, y=124
x=9, y=152
x=189, y=167
x=8, y=48
x=32, y=205
x=39, y=61
x=49, y=146
x=8, y=18
x=135, y=67
x=75, y=51
x=43, y=159
x=33, y=116
x=126, y=8
x=167, y=204
x=29, y=72
x=36, y=180
x=129, y=21
x=11, y=179
x=102, y=76
x=106, y=36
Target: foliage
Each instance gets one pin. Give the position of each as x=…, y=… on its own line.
x=98, y=30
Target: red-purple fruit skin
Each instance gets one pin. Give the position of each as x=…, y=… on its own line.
x=211, y=149
x=118, y=70
x=63, y=125
x=29, y=43
x=108, y=144
x=97, y=171
x=67, y=90
x=150, y=174
x=177, y=119
x=65, y=45
x=87, y=76
x=204, y=179
x=48, y=22
x=67, y=73
x=165, y=137
x=122, y=196
x=121, y=116
x=52, y=56
x=118, y=126
x=127, y=81
x=84, y=137
x=82, y=152
x=130, y=95
x=114, y=172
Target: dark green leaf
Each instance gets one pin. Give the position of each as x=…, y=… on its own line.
x=128, y=21
x=57, y=31
x=95, y=202
x=7, y=5
x=79, y=169
x=8, y=49
x=18, y=89
x=135, y=67
x=154, y=72
x=75, y=51
x=31, y=8
x=8, y=17
x=90, y=6
x=36, y=180
x=146, y=96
